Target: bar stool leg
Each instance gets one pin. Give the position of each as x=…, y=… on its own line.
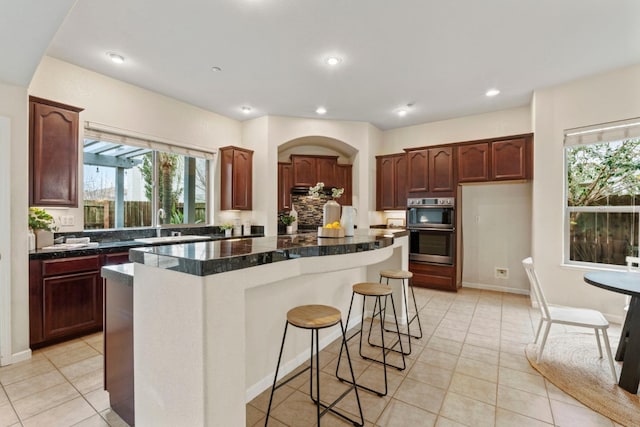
x=275, y=379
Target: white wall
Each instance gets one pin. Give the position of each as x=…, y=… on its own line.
x=14, y=106
x=496, y=230
x=121, y=105
x=598, y=99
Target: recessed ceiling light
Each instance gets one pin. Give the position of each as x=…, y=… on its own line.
x=402, y=112
x=321, y=110
x=216, y=69
x=492, y=92
x=333, y=60
x=116, y=58
x=246, y=109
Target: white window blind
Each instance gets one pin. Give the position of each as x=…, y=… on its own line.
x=613, y=131
x=100, y=132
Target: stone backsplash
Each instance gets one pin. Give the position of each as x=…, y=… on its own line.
x=309, y=209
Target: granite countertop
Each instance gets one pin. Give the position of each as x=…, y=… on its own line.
x=108, y=248
x=206, y=258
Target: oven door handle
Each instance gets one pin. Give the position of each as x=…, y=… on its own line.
x=432, y=229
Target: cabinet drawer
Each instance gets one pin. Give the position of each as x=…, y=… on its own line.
x=117, y=258
x=70, y=265
x=433, y=276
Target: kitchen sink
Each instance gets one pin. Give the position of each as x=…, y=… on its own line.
x=172, y=239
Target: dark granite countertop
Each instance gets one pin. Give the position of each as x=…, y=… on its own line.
x=206, y=258
x=109, y=247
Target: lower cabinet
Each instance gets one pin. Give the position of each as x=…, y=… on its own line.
x=434, y=276
x=65, y=297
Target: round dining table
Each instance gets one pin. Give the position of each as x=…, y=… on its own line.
x=629, y=346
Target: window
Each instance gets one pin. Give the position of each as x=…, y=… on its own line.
x=125, y=185
x=602, y=193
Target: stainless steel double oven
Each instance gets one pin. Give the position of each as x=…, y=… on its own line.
x=432, y=232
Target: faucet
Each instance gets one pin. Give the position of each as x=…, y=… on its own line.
x=159, y=216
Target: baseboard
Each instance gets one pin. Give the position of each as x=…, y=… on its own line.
x=17, y=357
x=253, y=391
x=486, y=287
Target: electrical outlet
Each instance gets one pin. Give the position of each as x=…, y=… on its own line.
x=502, y=273
x=67, y=220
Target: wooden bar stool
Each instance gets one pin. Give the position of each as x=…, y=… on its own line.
x=316, y=317
x=403, y=275
x=377, y=291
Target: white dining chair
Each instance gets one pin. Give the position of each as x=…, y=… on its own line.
x=572, y=316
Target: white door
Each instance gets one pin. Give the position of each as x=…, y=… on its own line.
x=5, y=241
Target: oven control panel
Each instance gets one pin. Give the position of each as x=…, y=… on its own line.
x=434, y=201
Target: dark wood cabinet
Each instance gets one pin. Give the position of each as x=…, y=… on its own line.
x=391, y=182
x=345, y=180
x=441, y=173
x=304, y=171
x=510, y=159
x=473, y=162
x=434, y=276
x=65, y=298
x=285, y=172
x=417, y=176
x=236, y=170
x=53, y=153
x=326, y=171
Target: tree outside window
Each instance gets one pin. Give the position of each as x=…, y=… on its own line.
x=603, y=195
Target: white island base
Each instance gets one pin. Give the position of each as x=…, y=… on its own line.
x=206, y=345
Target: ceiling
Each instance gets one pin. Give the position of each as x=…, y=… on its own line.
x=439, y=57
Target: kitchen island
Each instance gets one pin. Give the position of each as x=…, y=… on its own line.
x=208, y=316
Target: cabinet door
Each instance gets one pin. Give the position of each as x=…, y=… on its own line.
x=400, y=181
x=284, y=186
x=473, y=162
x=509, y=159
x=417, y=171
x=72, y=304
x=304, y=171
x=441, y=169
x=326, y=171
x=53, y=150
x=343, y=173
x=242, y=179
x=385, y=183
x=236, y=175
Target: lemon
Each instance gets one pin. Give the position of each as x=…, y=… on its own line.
x=336, y=224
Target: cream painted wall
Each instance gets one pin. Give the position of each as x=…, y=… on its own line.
x=598, y=99
x=14, y=105
x=490, y=125
x=121, y=105
x=496, y=230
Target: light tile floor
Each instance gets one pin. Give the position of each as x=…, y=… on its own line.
x=469, y=369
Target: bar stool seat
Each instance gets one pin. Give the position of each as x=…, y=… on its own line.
x=405, y=275
x=315, y=317
x=377, y=291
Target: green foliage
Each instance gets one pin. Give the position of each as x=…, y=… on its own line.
x=287, y=219
x=226, y=226
x=598, y=171
x=167, y=165
x=39, y=219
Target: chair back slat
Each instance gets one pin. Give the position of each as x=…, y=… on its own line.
x=527, y=263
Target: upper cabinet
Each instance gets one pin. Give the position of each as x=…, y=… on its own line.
x=309, y=170
x=430, y=170
x=473, y=162
x=236, y=174
x=391, y=182
x=510, y=159
x=343, y=174
x=53, y=153
x=496, y=160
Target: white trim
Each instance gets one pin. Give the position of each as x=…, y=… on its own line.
x=5, y=244
x=254, y=390
x=486, y=287
x=21, y=356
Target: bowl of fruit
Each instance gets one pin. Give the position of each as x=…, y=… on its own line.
x=332, y=229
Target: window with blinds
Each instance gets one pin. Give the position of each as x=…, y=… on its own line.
x=133, y=180
x=602, y=188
